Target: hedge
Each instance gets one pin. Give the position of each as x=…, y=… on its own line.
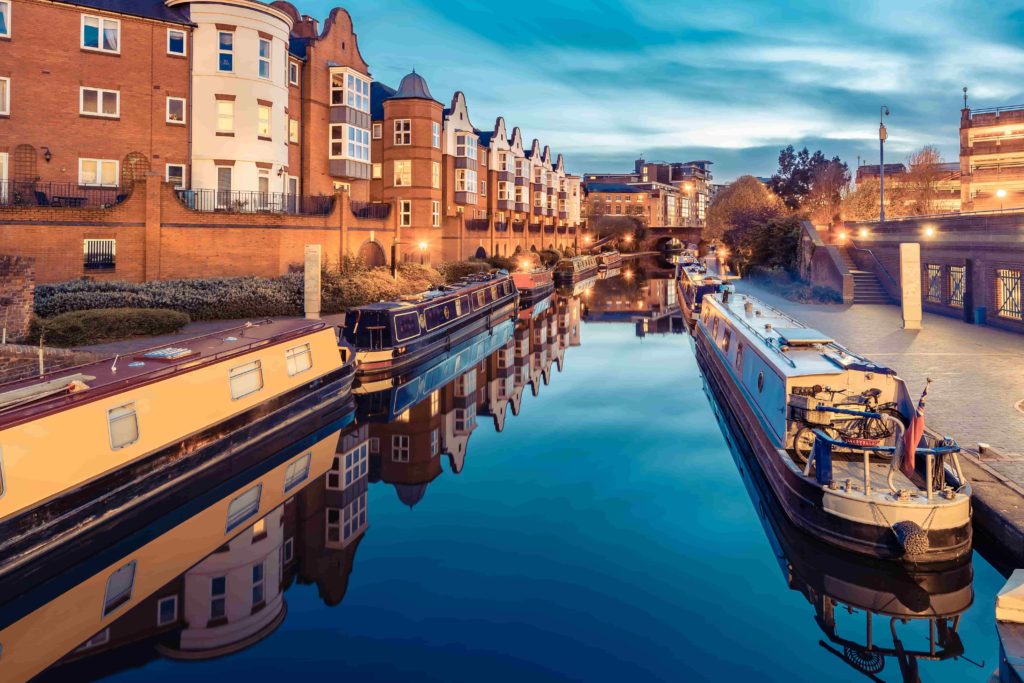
x=109, y=324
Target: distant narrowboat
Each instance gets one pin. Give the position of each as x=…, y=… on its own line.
x=569, y=271
x=692, y=284
x=394, y=335
x=534, y=285
x=74, y=437
x=608, y=260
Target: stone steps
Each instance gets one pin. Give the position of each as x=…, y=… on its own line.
x=866, y=287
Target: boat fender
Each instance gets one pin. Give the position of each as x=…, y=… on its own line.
x=912, y=538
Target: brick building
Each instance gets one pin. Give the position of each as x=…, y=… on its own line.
x=663, y=194
x=268, y=132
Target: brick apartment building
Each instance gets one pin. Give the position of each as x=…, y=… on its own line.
x=153, y=139
x=662, y=194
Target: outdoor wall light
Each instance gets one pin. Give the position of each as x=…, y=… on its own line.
x=47, y=154
x=842, y=236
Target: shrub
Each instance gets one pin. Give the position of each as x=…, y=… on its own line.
x=784, y=283
x=455, y=270
x=109, y=324
x=550, y=257
x=503, y=263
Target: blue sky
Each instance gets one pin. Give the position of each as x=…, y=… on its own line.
x=603, y=82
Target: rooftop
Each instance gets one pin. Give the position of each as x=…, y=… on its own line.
x=147, y=9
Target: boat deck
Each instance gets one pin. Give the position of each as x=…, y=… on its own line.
x=104, y=378
x=852, y=469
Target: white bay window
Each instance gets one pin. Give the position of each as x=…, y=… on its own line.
x=465, y=180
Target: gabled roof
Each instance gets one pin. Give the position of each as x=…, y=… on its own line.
x=378, y=93
x=148, y=9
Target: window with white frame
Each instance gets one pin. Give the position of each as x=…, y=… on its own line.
x=435, y=214
x=225, y=51
x=123, y=425
x=264, y=58
x=5, y=97
x=244, y=506
x=483, y=188
x=258, y=595
x=293, y=130
x=435, y=442
x=435, y=135
x=521, y=194
x=263, y=122
x=405, y=213
x=5, y=18
x=167, y=610
x=119, y=588
x=377, y=171
x=503, y=190
x=218, y=597
x=465, y=145
x=503, y=161
x=348, y=468
x=357, y=93
x=374, y=444
x=176, y=175
x=435, y=175
x=378, y=131
x=521, y=168
x=100, y=254
x=293, y=73
x=225, y=116
x=403, y=173
x=100, y=172
x=246, y=379
x=224, y=177
x=358, y=144
x=298, y=359
x=465, y=180
x=176, y=110
x=288, y=551
x=403, y=131
x=400, y=447
x=101, y=33
x=176, y=42
x=344, y=523
x=465, y=418
x=99, y=102
x=538, y=200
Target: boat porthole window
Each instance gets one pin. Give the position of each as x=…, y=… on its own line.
x=123, y=426
x=760, y=381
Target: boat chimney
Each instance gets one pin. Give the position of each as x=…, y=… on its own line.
x=311, y=282
x=748, y=309
x=767, y=327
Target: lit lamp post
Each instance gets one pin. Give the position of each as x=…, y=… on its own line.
x=1002, y=195
x=882, y=135
x=423, y=251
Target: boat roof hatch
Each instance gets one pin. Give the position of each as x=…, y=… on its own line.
x=801, y=336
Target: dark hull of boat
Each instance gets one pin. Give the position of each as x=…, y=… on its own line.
x=438, y=342
x=78, y=510
x=529, y=297
x=567, y=280
x=802, y=500
x=686, y=306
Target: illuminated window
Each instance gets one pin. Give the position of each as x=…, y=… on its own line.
x=225, y=116
x=435, y=214
x=263, y=127
x=403, y=174
x=293, y=130
x=435, y=175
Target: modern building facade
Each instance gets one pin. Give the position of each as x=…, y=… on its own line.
x=992, y=158
x=662, y=194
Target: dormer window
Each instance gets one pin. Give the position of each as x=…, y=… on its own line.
x=465, y=145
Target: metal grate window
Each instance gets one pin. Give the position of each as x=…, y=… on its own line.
x=956, y=285
x=100, y=254
x=933, y=283
x=1008, y=294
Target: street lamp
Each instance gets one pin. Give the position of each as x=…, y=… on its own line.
x=1001, y=193
x=882, y=135
x=423, y=250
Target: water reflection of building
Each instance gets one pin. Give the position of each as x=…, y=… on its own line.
x=650, y=303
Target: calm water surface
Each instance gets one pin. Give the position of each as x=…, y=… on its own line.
x=606, y=534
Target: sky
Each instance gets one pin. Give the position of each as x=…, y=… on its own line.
x=732, y=81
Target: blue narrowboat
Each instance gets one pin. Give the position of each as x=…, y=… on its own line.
x=693, y=283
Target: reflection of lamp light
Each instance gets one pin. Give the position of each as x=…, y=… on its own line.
x=627, y=239
x=863, y=232
x=842, y=236
x=628, y=274
x=524, y=265
x=929, y=231
x=588, y=239
x=1001, y=193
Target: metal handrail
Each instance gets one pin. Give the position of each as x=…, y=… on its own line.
x=997, y=110
x=942, y=215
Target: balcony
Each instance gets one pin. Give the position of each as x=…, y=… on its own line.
x=992, y=147
x=535, y=227
x=562, y=229
x=371, y=210
x=549, y=229
x=551, y=192
x=505, y=176
x=465, y=197
x=25, y=193
x=1007, y=174
x=520, y=181
x=563, y=215
x=465, y=162
x=518, y=226
x=522, y=207
x=501, y=227
x=549, y=212
x=477, y=225
x=237, y=201
x=505, y=205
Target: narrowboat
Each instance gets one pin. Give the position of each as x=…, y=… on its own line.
x=839, y=438
x=534, y=284
x=608, y=260
x=394, y=335
x=1010, y=629
x=75, y=440
x=569, y=271
x=693, y=282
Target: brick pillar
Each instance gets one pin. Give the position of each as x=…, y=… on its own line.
x=341, y=203
x=151, y=242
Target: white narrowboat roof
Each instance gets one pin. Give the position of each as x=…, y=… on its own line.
x=790, y=346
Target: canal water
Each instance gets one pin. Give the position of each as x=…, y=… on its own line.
x=607, y=532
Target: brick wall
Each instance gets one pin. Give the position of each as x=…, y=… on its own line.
x=17, y=289
x=19, y=362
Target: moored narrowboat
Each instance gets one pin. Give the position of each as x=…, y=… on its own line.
x=534, y=284
x=608, y=260
x=393, y=335
x=569, y=271
x=693, y=282
x=839, y=438
x=71, y=439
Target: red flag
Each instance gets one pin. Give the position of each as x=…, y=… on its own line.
x=912, y=435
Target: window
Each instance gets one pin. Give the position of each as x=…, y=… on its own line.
x=175, y=42
x=483, y=188
x=175, y=110
x=293, y=73
x=956, y=286
x=296, y=472
x=289, y=550
x=465, y=180
x=435, y=135
x=343, y=524
x=101, y=33
x=123, y=424
x=400, y=447
x=263, y=125
x=167, y=610
x=376, y=172
x=101, y=638
x=503, y=190
x=119, y=588
x=102, y=172
x=97, y=102
x=358, y=95
x=264, y=58
x=225, y=116
x=299, y=359
x=435, y=214
x=435, y=175
x=225, y=51
x=5, y=18
x=726, y=338
x=257, y=584
x=293, y=130
x=355, y=464
x=378, y=131
x=246, y=379
x=218, y=597
x=244, y=506
x=435, y=443
x=465, y=418
x=934, y=283
x=1008, y=294
x=358, y=144
x=5, y=97
x=403, y=132
x=403, y=173
x=760, y=381
x=223, y=185
x=405, y=213
x=465, y=145
x=739, y=357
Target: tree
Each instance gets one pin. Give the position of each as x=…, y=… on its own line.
x=829, y=182
x=794, y=181
x=921, y=182
x=741, y=204
x=772, y=244
x=861, y=202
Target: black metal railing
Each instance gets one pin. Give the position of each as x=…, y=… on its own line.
x=477, y=224
x=501, y=227
x=27, y=193
x=534, y=227
x=373, y=210
x=549, y=228
x=518, y=226
x=99, y=255
x=240, y=201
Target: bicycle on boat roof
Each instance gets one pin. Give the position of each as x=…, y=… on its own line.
x=857, y=419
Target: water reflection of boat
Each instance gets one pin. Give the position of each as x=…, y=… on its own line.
x=578, y=288
x=869, y=611
x=569, y=271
